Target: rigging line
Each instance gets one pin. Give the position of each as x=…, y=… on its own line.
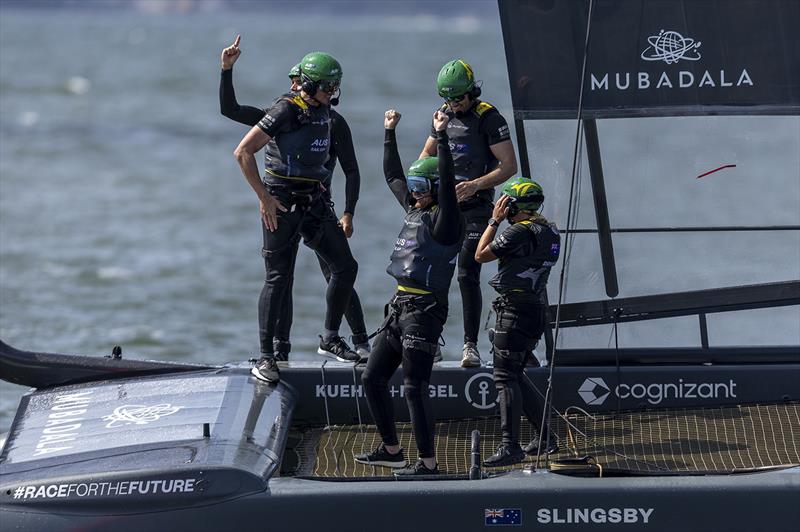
x=567, y=240
x=576, y=205
x=328, y=417
x=357, y=395
x=589, y=439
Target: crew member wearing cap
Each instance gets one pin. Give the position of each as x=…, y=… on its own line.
x=341, y=148
x=422, y=263
x=526, y=250
x=296, y=134
x=483, y=156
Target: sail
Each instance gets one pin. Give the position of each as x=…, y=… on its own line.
x=652, y=57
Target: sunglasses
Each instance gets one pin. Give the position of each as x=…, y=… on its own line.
x=418, y=184
x=329, y=86
x=454, y=99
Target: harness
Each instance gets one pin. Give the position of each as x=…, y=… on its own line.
x=405, y=301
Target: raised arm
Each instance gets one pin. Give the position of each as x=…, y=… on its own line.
x=447, y=227
x=392, y=167
x=228, y=106
x=484, y=251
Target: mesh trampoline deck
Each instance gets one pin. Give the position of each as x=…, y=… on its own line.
x=682, y=441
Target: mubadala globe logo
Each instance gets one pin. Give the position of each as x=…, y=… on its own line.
x=670, y=47
x=594, y=391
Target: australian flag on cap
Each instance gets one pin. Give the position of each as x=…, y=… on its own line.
x=503, y=517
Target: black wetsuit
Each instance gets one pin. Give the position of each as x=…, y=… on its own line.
x=418, y=311
x=472, y=134
x=341, y=149
x=526, y=251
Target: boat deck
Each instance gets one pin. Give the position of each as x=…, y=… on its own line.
x=689, y=441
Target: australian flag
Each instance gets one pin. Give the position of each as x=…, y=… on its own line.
x=503, y=516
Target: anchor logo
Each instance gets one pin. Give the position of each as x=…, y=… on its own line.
x=484, y=389
x=139, y=414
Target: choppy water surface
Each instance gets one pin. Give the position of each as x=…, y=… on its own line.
x=124, y=218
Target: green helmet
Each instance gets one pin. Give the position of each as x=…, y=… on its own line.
x=455, y=79
x=423, y=175
x=427, y=167
x=526, y=194
x=319, y=66
x=294, y=72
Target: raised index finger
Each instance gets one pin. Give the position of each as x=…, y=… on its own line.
x=236, y=42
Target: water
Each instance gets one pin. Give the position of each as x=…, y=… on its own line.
x=124, y=218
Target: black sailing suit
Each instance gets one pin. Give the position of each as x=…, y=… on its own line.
x=341, y=148
x=423, y=263
x=526, y=250
x=472, y=133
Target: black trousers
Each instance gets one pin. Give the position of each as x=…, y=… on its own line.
x=469, y=270
x=353, y=313
x=519, y=325
x=311, y=218
x=408, y=337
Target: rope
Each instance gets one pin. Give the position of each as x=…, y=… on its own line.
x=567, y=235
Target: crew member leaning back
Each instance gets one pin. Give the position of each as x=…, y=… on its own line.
x=422, y=263
x=483, y=156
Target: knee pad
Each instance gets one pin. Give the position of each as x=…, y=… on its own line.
x=419, y=344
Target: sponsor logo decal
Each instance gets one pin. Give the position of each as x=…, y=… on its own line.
x=63, y=423
x=561, y=516
x=343, y=391
x=671, y=47
x=403, y=243
x=105, y=489
x=478, y=395
x=502, y=517
x=139, y=414
x=594, y=390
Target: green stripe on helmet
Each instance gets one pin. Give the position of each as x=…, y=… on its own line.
x=528, y=195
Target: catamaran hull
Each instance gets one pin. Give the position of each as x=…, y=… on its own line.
x=532, y=500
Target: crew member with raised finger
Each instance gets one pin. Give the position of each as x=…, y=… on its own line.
x=296, y=134
x=526, y=251
x=422, y=263
x=341, y=149
x=483, y=156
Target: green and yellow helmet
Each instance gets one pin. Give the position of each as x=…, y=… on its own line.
x=294, y=72
x=423, y=175
x=319, y=66
x=526, y=194
x=455, y=79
